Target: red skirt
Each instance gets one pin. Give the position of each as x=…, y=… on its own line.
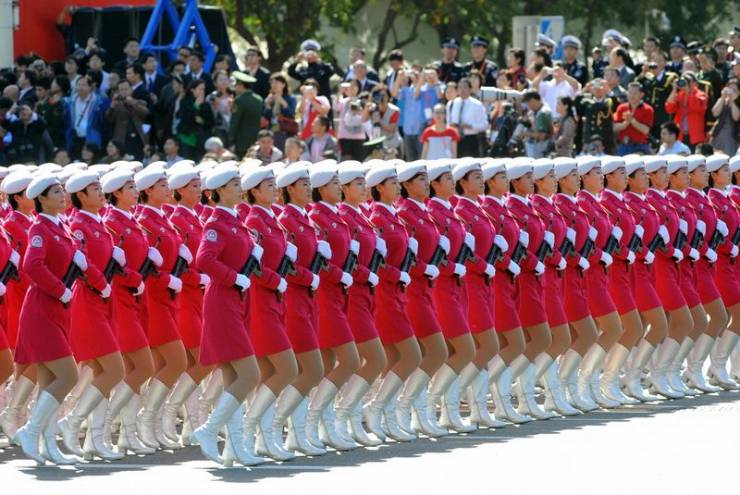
x=667, y=283
x=225, y=326
x=301, y=319
x=360, y=313
x=420, y=308
x=620, y=287
x=705, y=285
x=687, y=280
x=43, y=330
x=162, y=315
x=267, y=322
x=390, y=313
x=726, y=278
x=191, y=316
x=575, y=293
x=333, y=323
x=14, y=296
x=3, y=340
x=599, y=298
x=554, y=304
x=451, y=302
x=506, y=313
x=92, y=335
x=480, y=303
x=531, y=300
x=128, y=320
x=643, y=286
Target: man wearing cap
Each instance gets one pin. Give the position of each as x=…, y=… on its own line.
x=596, y=111
x=722, y=46
x=544, y=41
x=448, y=68
x=479, y=50
x=245, y=114
x=315, y=67
x=657, y=82
x=575, y=69
x=253, y=59
x=678, y=52
x=598, y=63
x=633, y=121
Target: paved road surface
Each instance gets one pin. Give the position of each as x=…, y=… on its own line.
x=654, y=444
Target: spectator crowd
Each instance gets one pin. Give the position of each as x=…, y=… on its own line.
x=100, y=107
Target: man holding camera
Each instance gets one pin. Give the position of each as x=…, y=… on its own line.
x=315, y=68
x=688, y=104
x=127, y=115
x=29, y=140
x=657, y=81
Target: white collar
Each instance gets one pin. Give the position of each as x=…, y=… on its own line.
x=661, y=193
x=615, y=194
x=571, y=198
x=419, y=204
x=545, y=198
x=94, y=216
x=387, y=207
x=520, y=198
x=53, y=219
x=443, y=202
x=331, y=207
x=699, y=191
x=155, y=210
x=500, y=201
x=231, y=211
x=269, y=212
x=468, y=200
x=590, y=194
x=125, y=213
x=300, y=210
x=29, y=217
x=354, y=208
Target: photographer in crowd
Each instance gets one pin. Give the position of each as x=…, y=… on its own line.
x=688, y=104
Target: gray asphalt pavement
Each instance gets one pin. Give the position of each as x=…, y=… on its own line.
x=688, y=446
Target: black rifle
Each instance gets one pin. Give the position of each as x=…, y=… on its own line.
x=439, y=257
x=10, y=271
x=286, y=267
x=251, y=267
x=567, y=248
x=543, y=251
x=736, y=237
x=72, y=274
x=588, y=248
x=716, y=239
x=680, y=241
x=376, y=262
x=111, y=269
x=635, y=244
x=350, y=262
x=612, y=244
x=517, y=254
x=409, y=259
x=180, y=266
x=656, y=243
x=318, y=263
x=465, y=254
x=697, y=239
x=495, y=254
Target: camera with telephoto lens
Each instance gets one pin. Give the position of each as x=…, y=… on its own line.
x=682, y=83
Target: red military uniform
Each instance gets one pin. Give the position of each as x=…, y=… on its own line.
x=666, y=269
x=332, y=301
x=725, y=275
x=705, y=270
x=301, y=311
x=480, y=293
x=243, y=210
x=530, y=295
x=92, y=334
x=361, y=304
x=620, y=278
x=643, y=275
x=390, y=301
x=43, y=333
x=162, y=309
x=687, y=268
x=16, y=226
x=267, y=310
x=190, y=228
x=506, y=310
x=450, y=297
x=420, y=307
x=5, y=252
x=597, y=277
x=223, y=251
x=128, y=310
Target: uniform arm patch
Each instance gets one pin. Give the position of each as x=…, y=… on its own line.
x=211, y=235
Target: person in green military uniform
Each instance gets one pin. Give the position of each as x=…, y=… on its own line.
x=245, y=115
x=596, y=110
x=657, y=81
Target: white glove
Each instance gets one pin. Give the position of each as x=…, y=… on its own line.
x=470, y=240
x=593, y=234
x=583, y=263
x=204, y=279
x=119, y=256
x=490, y=271
x=639, y=231
x=346, y=280
x=414, y=245
x=683, y=226
x=539, y=269
x=694, y=254
x=243, y=281
x=140, y=289
x=677, y=255
x=649, y=258
x=3, y=289
x=80, y=260
x=291, y=251
x=663, y=232
x=617, y=233
x=257, y=252
x=631, y=257
x=184, y=253
x=460, y=270
x=733, y=252
x=15, y=258
x=404, y=278
x=500, y=241
x=444, y=243
x=523, y=238
x=722, y=227
x=174, y=284
x=549, y=238
x=701, y=227
x=372, y=279
x=324, y=248
x=105, y=293
x=381, y=247
x=606, y=258
x=315, y=282
x=282, y=286
x=562, y=265
x=514, y=269
x=354, y=246
x=431, y=272
x=156, y=257
x=570, y=234
x=711, y=255
x=66, y=297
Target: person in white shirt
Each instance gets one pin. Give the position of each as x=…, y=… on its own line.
x=670, y=145
x=561, y=84
x=468, y=115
